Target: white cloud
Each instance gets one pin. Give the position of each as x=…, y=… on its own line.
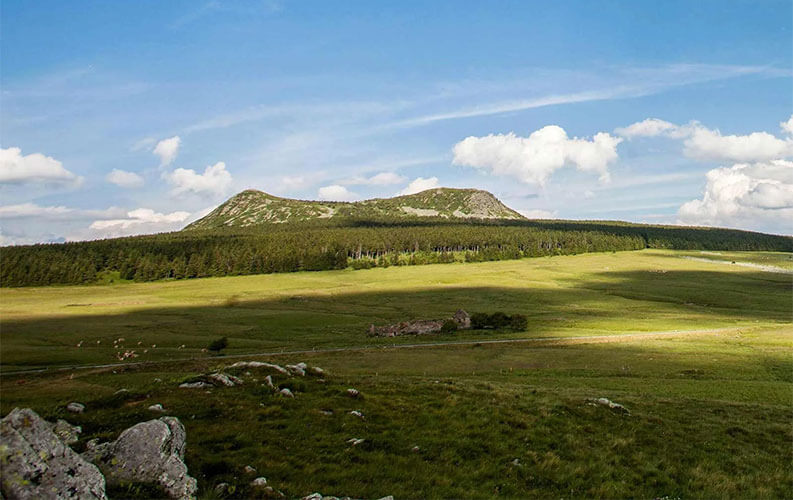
x=29, y=210
x=167, y=149
x=534, y=158
x=139, y=221
x=702, y=143
x=124, y=179
x=418, y=185
x=746, y=195
x=215, y=180
x=33, y=168
x=706, y=144
x=335, y=192
x=381, y=179
x=538, y=214
x=294, y=182
x=787, y=126
x=650, y=127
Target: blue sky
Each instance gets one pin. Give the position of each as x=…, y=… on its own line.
x=133, y=117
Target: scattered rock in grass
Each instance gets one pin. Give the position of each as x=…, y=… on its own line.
x=194, y=385
x=356, y=413
x=516, y=463
x=612, y=405
x=157, y=380
x=224, y=379
x=355, y=441
x=157, y=407
x=286, y=393
x=415, y=449
x=222, y=489
x=259, y=482
x=249, y=470
x=121, y=391
x=148, y=452
x=75, y=407
x=316, y=370
x=353, y=393
x=320, y=496
x=37, y=462
x=296, y=370
x=67, y=432
x=259, y=364
x=326, y=412
x=269, y=381
x=302, y=365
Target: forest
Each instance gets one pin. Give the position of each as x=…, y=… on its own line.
x=341, y=243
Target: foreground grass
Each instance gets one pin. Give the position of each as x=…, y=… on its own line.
x=590, y=294
x=710, y=417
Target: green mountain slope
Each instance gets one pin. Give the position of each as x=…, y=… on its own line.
x=251, y=207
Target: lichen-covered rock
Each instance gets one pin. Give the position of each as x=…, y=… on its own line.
x=37, y=463
x=224, y=379
x=194, y=385
x=268, y=380
x=68, y=433
x=148, y=452
x=259, y=364
x=75, y=407
x=296, y=370
x=287, y=393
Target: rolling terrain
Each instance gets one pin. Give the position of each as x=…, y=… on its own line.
x=708, y=411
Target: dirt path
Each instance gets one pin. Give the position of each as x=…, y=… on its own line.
x=547, y=340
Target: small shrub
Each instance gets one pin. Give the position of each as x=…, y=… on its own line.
x=499, y=320
x=479, y=321
x=449, y=326
x=518, y=322
x=218, y=345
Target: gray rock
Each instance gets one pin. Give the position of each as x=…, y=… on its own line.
x=222, y=489
x=67, y=432
x=302, y=366
x=353, y=393
x=158, y=408
x=316, y=370
x=356, y=413
x=614, y=406
x=224, y=379
x=249, y=470
x=38, y=464
x=194, y=385
x=75, y=407
x=259, y=482
x=355, y=441
x=259, y=364
x=150, y=452
x=269, y=381
x=286, y=393
x=296, y=370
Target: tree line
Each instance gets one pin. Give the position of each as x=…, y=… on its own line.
x=322, y=245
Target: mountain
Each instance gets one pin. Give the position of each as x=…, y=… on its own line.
x=252, y=207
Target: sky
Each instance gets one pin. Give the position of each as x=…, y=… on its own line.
x=121, y=118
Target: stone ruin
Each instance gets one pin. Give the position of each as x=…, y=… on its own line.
x=420, y=326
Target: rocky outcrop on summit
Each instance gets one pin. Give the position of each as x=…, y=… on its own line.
x=37, y=463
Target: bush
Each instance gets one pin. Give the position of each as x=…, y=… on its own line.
x=449, y=326
x=498, y=320
x=219, y=344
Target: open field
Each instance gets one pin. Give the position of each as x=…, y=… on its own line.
x=710, y=413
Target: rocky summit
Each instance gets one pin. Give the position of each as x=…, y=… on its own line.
x=252, y=207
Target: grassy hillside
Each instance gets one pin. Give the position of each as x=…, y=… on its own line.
x=709, y=413
x=252, y=208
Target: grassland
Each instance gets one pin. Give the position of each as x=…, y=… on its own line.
x=710, y=412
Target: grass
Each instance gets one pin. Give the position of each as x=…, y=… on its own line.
x=709, y=415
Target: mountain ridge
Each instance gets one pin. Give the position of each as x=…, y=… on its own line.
x=252, y=207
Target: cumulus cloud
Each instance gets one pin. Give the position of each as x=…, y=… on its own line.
x=787, y=127
x=534, y=158
x=16, y=168
x=335, y=192
x=139, y=221
x=650, y=127
x=215, y=180
x=706, y=144
x=745, y=195
x=702, y=143
x=418, y=185
x=167, y=149
x=381, y=179
x=124, y=179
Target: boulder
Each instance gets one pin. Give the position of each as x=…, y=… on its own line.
x=148, y=452
x=316, y=370
x=612, y=405
x=269, y=381
x=259, y=482
x=286, y=393
x=356, y=413
x=157, y=408
x=194, y=385
x=353, y=393
x=296, y=370
x=37, y=463
x=75, y=407
x=249, y=470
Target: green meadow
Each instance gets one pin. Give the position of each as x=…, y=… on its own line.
x=708, y=383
